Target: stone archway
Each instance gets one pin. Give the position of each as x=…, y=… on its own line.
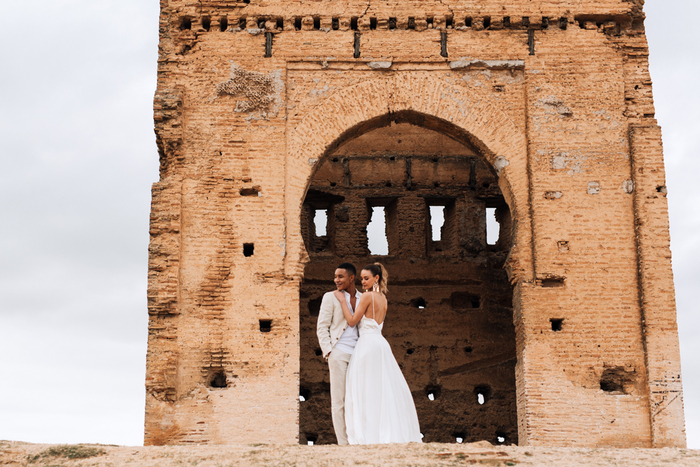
x=466, y=114
x=451, y=319
x=463, y=114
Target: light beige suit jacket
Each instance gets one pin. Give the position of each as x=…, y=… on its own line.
x=331, y=323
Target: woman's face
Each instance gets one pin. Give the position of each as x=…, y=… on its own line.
x=367, y=279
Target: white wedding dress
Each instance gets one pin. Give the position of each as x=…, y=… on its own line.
x=379, y=407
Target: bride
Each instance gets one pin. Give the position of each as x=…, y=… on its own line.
x=379, y=407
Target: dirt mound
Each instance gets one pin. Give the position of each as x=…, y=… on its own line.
x=14, y=453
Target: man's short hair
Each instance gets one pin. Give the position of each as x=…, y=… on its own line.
x=349, y=268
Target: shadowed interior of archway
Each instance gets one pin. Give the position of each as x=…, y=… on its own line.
x=412, y=192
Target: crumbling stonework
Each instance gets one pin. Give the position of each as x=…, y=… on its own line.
x=269, y=115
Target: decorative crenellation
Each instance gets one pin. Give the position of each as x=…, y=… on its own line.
x=276, y=24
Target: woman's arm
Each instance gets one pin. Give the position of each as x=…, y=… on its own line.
x=359, y=309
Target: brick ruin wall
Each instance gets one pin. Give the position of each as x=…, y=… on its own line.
x=268, y=112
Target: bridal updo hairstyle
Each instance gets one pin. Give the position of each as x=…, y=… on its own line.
x=377, y=269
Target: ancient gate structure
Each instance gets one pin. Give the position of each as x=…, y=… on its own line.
x=285, y=128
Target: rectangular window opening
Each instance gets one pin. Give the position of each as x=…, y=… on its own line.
x=377, y=241
x=492, y=227
x=248, y=249
x=265, y=325
x=437, y=221
x=320, y=222
x=556, y=324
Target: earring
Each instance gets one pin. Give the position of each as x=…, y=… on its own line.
x=375, y=287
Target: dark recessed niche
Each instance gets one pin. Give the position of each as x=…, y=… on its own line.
x=468, y=349
x=242, y=23
x=314, y=306
x=297, y=23
x=335, y=24
x=253, y=191
x=613, y=380
x=410, y=351
x=418, y=303
x=468, y=22
x=318, y=352
x=223, y=26
x=248, y=249
x=553, y=282
x=206, y=23
x=556, y=323
x=462, y=301
x=265, y=325
x=304, y=393
x=185, y=23
x=218, y=380
x=311, y=438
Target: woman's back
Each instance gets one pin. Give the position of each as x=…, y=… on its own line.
x=377, y=308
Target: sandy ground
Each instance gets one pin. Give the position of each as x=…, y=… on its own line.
x=14, y=453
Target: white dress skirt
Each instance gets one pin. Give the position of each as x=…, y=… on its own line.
x=379, y=406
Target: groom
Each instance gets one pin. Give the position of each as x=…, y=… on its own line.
x=338, y=341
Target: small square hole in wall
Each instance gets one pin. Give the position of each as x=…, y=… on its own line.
x=556, y=324
x=248, y=249
x=265, y=325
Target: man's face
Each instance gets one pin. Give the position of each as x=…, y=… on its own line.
x=343, y=279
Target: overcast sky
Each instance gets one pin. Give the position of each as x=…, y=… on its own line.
x=77, y=161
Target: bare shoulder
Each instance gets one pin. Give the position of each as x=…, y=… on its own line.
x=366, y=297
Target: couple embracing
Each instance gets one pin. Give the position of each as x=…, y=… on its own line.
x=371, y=402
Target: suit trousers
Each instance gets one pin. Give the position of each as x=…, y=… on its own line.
x=338, y=367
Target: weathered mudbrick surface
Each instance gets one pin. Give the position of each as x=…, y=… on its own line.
x=272, y=116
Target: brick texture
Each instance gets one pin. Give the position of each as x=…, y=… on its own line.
x=268, y=114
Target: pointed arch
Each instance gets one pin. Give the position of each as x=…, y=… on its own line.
x=460, y=112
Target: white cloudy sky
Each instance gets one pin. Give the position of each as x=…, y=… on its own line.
x=77, y=160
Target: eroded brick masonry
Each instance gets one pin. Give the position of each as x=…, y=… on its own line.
x=286, y=128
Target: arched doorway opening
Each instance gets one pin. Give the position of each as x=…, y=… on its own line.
x=402, y=191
